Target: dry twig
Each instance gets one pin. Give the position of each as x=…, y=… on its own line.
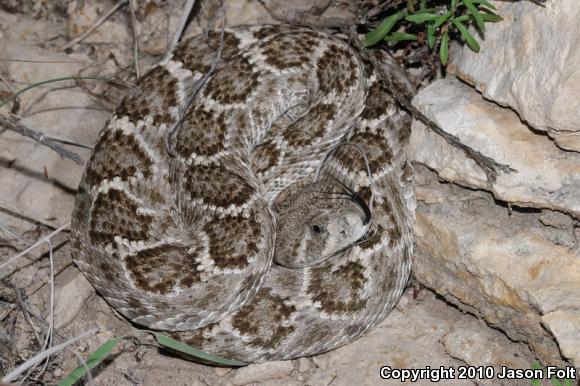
x=311, y=17
x=79, y=39
x=488, y=165
x=182, y=22
x=198, y=86
x=12, y=124
x=19, y=213
x=132, y=6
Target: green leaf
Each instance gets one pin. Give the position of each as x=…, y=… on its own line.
x=485, y=3
x=476, y=15
x=399, y=36
x=444, y=49
x=462, y=18
x=442, y=19
x=93, y=360
x=382, y=30
x=419, y=18
x=471, y=42
x=492, y=17
x=186, y=349
x=431, y=36
x=486, y=17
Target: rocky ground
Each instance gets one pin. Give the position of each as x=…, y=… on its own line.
x=500, y=262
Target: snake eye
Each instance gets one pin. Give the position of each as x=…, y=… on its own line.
x=317, y=229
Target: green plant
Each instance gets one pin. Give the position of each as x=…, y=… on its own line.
x=438, y=22
x=105, y=349
x=555, y=382
x=93, y=360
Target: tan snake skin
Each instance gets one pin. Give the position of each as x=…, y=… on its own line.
x=275, y=219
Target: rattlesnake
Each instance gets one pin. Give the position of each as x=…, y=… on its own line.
x=259, y=210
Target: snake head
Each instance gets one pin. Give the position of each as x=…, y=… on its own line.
x=317, y=221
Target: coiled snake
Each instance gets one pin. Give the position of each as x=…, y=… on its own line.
x=258, y=209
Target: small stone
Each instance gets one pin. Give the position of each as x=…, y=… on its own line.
x=261, y=372
x=304, y=365
x=5, y=154
x=70, y=299
x=319, y=378
x=221, y=371
x=321, y=362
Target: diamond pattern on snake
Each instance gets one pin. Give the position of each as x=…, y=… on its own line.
x=264, y=215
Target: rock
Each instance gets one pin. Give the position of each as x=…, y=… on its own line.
x=565, y=325
x=70, y=297
x=500, y=265
x=261, y=372
x=547, y=177
x=529, y=62
x=470, y=343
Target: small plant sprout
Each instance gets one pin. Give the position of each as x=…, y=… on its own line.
x=439, y=22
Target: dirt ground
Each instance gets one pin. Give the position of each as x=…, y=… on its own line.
x=37, y=190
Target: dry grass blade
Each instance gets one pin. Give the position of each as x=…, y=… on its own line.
x=14, y=125
x=36, y=244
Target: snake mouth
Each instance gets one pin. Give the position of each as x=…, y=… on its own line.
x=357, y=199
x=363, y=205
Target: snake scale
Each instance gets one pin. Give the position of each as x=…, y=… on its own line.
x=252, y=196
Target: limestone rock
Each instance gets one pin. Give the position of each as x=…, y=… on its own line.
x=565, y=325
x=529, y=62
x=547, y=177
x=499, y=265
